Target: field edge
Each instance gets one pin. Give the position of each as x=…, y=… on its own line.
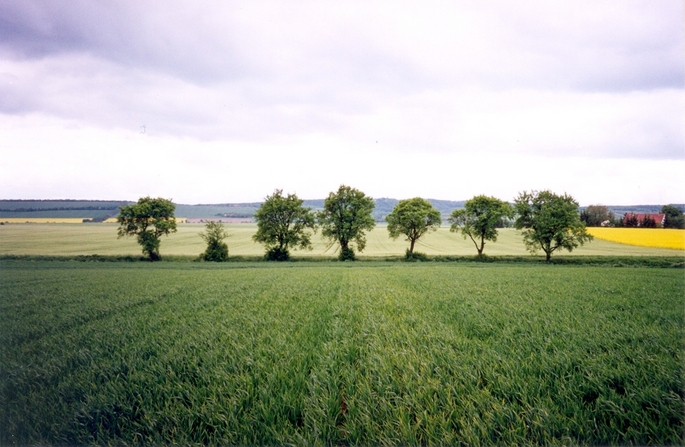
x=608, y=261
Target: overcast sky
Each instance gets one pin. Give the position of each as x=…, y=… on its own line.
x=209, y=102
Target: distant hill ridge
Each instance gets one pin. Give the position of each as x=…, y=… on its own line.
x=102, y=209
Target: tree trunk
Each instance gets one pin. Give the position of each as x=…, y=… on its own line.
x=411, y=246
x=548, y=256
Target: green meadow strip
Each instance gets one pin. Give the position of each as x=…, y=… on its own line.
x=337, y=353
x=610, y=261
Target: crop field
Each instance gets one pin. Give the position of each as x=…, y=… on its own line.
x=647, y=237
x=101, y=239
x=42, y=220
x=113, y=220
x=312, y=353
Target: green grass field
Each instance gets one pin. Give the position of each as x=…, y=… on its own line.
x=101, y=239
x=330, y=353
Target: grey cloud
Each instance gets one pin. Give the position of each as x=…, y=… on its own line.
x=510, y=46
x=273, y=69
x=602, y=46
x=131, y=34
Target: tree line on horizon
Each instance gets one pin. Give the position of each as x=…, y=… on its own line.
x=548, y=222
x=99, y=210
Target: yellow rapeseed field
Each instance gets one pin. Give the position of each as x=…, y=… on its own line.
x=646, y=237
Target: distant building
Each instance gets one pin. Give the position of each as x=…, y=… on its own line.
x=638, y=219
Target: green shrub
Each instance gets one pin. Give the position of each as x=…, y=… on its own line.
x=346, y=254
x=416, y=256
x=277, y=254
x=216, y=252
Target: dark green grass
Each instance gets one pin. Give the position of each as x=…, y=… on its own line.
x=397, y=353
x=611, y=261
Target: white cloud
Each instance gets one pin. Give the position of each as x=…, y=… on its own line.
x=66, y=159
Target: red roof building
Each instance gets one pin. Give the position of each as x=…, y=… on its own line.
x=658, y=218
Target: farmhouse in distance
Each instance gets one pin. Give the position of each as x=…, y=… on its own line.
x=644, y=219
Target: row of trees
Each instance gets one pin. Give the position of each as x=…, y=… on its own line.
x=548, y=222
x=283, y=223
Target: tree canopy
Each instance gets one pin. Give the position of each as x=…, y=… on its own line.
x=597, y=215
x=674, y=217
x=345, y=218
x=549, y=222
x=214, y=235
x=630, y=220
x=149, y=219
x=282, y=223
x=479, y=219
x=413, y=218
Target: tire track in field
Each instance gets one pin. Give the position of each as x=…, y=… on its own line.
x=78, y=321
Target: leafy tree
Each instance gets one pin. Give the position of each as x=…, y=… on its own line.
x=648, y=222
x=479, y=219
x=549, y=222
x=282, y=223
x=595, y=215
x=148, y=220
x=214, y=236
x=674, y=217
x=630, y=220
x=345, y=218
x=413, y=218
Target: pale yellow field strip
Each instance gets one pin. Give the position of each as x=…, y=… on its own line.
x=60, y=220
x=88, y=239
x=178, y=220
x=644, y=237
